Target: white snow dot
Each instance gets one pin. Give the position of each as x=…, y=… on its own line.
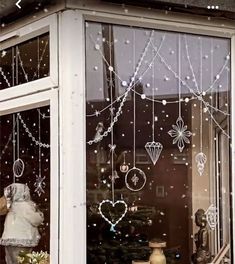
x=143, y=96
x=164, y=102
x=97, y=46
x=124, y=83
x=186, y=100
x=110, y=68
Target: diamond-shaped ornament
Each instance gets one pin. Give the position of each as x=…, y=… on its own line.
x=154, y=150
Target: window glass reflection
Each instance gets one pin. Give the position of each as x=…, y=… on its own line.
x=25, y=182
x=157, y=105
x=25, y=62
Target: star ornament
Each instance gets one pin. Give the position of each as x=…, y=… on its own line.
x=40, y=185
x=180, y=134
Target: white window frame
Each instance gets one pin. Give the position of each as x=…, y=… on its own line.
x=27, y=32
x=49, y=98
x=73, y=103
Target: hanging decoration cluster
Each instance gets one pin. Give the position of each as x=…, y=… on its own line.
x=135, y=178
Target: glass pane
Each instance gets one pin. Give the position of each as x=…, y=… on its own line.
x=158, y=114
x=25, y=62
x=25, y=181
x=6, y=68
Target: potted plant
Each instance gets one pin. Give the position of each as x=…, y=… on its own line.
x=34, y=258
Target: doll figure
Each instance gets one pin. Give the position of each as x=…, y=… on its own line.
x=202, y=254
x=21, y=223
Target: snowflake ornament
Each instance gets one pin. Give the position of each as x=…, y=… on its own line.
x=180, y=134
x=40, y=185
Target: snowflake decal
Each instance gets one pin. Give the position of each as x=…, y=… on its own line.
x=180, y=134
x=39, y=185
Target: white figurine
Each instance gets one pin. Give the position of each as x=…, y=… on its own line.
x=21, y=223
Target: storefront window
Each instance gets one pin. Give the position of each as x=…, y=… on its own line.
x=25, y=181
x=25, y=62
x=158, y=135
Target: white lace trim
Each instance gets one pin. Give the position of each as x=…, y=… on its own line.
x=19, y=242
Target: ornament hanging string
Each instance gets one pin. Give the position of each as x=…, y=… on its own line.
x=201, y=90
x=39, y=183
x=10, y=139
x=190, y=64
x=111, y=113
x=179, y=82
x=177, y=76
x=179, y=131
x=153, y=148
x=18, y=164
x=153, y=103
x=118, y=113
x=14, y=143
x=112, y=203
x=132, y=84
x=200, y=158
x=169, y=68
x=134, y=107
x=206, y=104
x=134, y=179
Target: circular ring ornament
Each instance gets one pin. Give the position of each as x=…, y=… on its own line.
x=135, y=179
x=18, y=168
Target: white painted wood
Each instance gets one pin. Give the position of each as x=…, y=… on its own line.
x=27, y=89
x=30, y=102
x=73, y=145
x=233, y=135
x=8, y=36
x=55, y=177
x=27, y=30
x=25, y=103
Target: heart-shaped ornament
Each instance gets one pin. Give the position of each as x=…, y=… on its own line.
x=112, y=208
